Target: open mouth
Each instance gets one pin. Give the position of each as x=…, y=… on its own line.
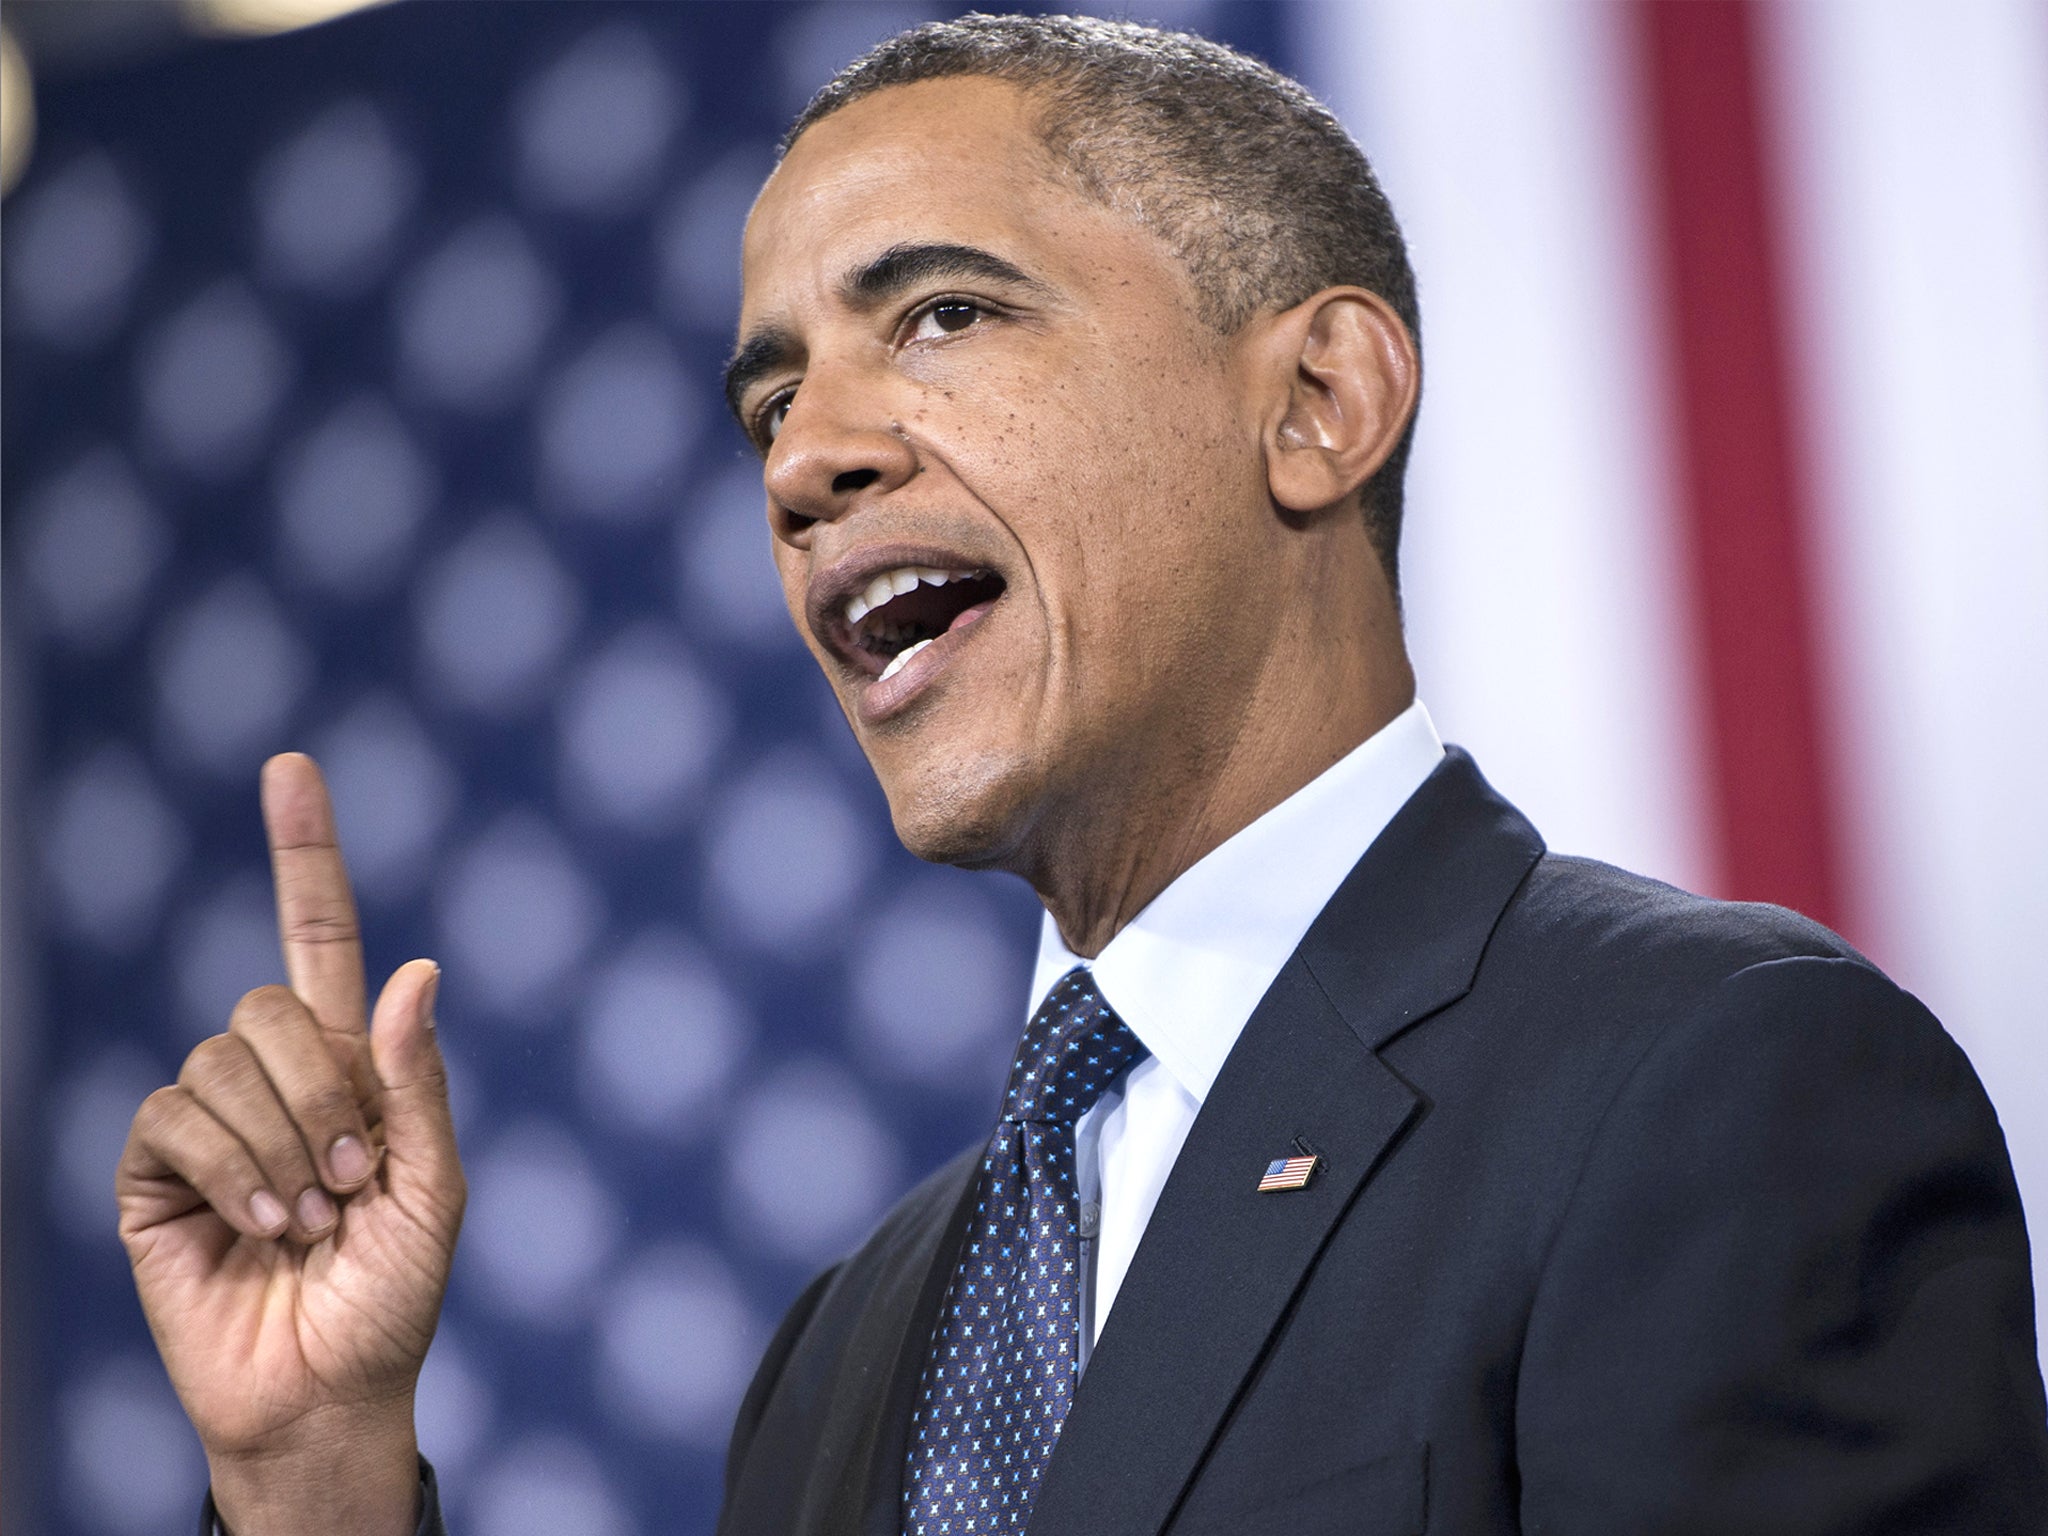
x=904, y=609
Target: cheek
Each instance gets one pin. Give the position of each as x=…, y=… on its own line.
x=794, y=576
x=1171, y=568
x=789, y=571
x=1092, y=453
x=1116, y=469
x=1162, y=479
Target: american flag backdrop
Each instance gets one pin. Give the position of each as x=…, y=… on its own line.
x=360, y=395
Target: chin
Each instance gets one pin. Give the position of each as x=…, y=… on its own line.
x=971, y=814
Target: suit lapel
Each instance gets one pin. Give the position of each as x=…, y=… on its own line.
x=849, y=1406
x=1402, y=937
x=871, y=1501
x=1220, y=1263
x=863, y=1495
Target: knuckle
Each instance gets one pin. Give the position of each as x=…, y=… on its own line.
x=156, y=1112
x=327, y=1104
x=214, y=1059
x=265, y=1008
x=227, y=1171
x=330, y=926
x=279, y=1153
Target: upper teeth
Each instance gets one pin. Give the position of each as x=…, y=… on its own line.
x=904, y=578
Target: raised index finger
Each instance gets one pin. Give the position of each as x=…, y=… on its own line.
x=316, y=912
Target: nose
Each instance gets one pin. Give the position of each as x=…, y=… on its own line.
x=837, y=444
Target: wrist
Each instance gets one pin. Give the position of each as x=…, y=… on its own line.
x=340, y=1472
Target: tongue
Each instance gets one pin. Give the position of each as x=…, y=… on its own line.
x=970, y=614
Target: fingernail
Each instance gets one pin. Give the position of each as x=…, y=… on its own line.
x=430, y=993
x=316, y=1210
x=348, y=1159
x=267, y=1209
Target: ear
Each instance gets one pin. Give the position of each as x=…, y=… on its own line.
x=1343, y=375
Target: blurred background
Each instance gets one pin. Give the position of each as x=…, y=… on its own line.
x=360, y=396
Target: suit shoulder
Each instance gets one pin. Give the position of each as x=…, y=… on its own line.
x=836, y=1347
x=927, y=1205
x=1596, y=967
x=1597, y=918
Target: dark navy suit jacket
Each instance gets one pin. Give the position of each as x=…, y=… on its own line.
x=1638, y=1213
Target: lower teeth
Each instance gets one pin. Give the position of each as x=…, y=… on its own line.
x=896, y=661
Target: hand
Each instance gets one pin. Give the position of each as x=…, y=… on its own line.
x=290, y=1207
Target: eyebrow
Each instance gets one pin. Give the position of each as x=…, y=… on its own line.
x=764, y=352
x=868, y=287
x=906, y=266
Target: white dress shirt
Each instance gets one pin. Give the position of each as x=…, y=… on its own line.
x=1186, y=973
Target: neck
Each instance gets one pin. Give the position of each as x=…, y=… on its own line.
x=1141, y=823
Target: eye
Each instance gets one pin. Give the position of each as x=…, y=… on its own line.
x=946, y=317
x=772, y=415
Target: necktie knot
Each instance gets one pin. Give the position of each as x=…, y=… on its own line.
x=1072, y=1050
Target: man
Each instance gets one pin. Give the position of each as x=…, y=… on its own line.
x=1364, y=1166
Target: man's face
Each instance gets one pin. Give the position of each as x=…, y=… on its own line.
x=1015, y=487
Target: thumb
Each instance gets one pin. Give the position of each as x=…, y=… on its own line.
x=419, y=1130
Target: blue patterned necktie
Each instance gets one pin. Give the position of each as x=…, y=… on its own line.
x=1006, y=1352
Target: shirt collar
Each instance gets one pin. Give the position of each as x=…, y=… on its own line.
x=1186, y=973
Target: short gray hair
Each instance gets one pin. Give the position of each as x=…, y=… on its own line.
x=1251, y=180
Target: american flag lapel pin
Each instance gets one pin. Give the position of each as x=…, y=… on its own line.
x=1291, y=1172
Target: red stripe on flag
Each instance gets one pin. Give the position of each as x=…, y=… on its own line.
x=1742, y=486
